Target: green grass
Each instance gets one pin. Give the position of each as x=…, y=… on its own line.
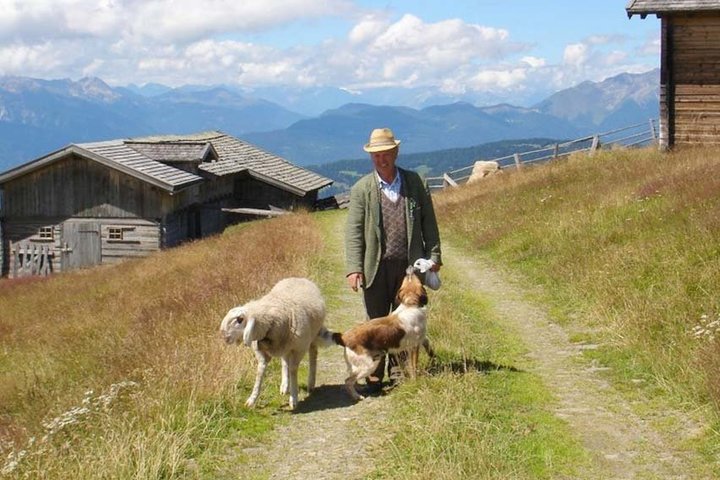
x=479, y=414
x=625, y=249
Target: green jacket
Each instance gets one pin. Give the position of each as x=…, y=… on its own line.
x=363, y=235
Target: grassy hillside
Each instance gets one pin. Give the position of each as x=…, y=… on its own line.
x=119, y=372
x=626, y=246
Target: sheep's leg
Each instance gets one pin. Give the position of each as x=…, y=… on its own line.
x=293, y=364
x=312, y=366
x=263, y=360
x=284, y=377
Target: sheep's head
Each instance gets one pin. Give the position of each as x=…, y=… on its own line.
x=237, y=324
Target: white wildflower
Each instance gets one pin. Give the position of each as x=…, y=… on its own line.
x=74, y=415
x=706, y=329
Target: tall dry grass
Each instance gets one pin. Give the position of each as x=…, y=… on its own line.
x=119, y=372
x=626, y=244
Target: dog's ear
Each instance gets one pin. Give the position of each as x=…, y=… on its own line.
x=249, y=331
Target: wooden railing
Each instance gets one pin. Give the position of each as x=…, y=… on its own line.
x=640, y=134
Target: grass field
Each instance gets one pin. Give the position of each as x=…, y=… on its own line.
x=625, y=246
x=119, y=372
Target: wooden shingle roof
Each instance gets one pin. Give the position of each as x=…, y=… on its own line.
x=645, y=7
x=118, y=156
x=175, y=152
x=150, y=159
x=235, y=155
x=122, y=154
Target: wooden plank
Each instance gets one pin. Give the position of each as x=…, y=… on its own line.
x=691, y=89
x=449, y=181
x=697, y=107
x=256, y=211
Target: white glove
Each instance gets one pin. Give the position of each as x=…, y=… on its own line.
x=423, y=264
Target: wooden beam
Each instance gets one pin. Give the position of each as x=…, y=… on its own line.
x=449, y=181
x=256, y=211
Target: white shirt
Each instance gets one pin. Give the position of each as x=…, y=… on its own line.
x=390, y=190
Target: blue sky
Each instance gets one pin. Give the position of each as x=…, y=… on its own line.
x=499, y=49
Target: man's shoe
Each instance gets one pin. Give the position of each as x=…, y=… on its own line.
x=396, y=376
x=371, y=388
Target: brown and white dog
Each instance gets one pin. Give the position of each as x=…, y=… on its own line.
x=401, y=331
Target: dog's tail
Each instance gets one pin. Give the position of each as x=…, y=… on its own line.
x=327, y=338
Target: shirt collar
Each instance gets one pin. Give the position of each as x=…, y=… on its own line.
x=394, y=185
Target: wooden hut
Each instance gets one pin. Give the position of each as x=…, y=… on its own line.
x=689, y=69
x=102, y=202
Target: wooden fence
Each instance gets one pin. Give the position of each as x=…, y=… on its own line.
x=29, y=260
x=637, y=135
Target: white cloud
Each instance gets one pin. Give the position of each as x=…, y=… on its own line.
x=369, y=27
x=534, y=62
x=575, y=54
x=188, y=41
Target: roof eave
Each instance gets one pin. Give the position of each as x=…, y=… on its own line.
x=33, y=165
x=37, y=164
x=285, y=186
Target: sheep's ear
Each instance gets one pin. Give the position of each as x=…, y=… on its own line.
x=248, y=331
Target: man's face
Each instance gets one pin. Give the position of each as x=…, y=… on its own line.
x=384, y=161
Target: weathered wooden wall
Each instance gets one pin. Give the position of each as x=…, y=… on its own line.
x=76, y=187
x=691, y=92
x=71, y=245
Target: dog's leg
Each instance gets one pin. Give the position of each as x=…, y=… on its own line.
x=360, y=366
x=284, y=376
x=312, y=366
x=350, y=360
x=412, y=358
x=428, y=348
x=263, y=360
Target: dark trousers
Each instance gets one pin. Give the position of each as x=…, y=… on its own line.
x=380, y=300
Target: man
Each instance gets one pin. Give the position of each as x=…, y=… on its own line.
x=391, y=223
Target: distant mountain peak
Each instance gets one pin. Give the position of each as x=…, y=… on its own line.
x=93, y=88
x=594, y=102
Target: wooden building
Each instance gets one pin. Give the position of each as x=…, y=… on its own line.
x=689, y=69
x=99, y=203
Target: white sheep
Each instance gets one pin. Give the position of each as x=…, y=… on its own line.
x=285, y=323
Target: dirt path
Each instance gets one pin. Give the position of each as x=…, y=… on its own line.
x=622, y=445
x=329, y=436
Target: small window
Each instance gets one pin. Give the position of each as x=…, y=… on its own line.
x=45, y=233
x=115, y=233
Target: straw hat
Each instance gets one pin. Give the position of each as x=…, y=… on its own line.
x=381, y=139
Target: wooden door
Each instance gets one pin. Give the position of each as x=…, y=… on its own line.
x=83, y=244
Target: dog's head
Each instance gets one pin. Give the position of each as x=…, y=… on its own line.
x=412, y=292
x=237, y=324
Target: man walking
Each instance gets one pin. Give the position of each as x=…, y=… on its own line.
x=391, y=223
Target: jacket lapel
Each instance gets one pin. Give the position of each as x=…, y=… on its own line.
x=409, y=214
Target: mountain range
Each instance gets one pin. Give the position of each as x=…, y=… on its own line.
x=40, y=116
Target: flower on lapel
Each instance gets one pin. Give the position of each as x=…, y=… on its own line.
x=412, y=205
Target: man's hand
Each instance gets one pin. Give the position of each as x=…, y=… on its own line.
x=355, y=280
